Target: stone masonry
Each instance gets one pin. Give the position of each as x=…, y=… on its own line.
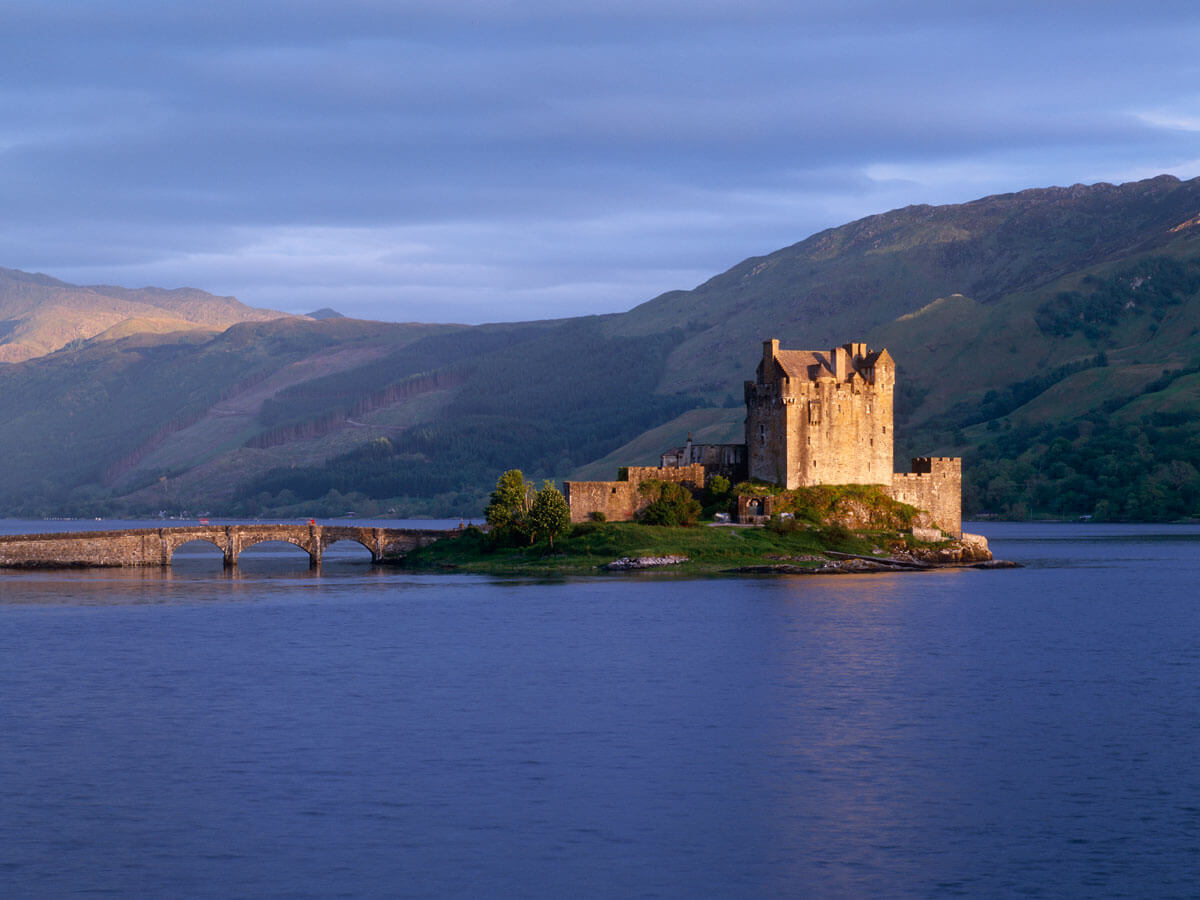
x=620, y=500
x=156, y=546
x=815, y=417
x=812, y=417
x=934, y=486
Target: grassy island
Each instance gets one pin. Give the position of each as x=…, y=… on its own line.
x=589, y=547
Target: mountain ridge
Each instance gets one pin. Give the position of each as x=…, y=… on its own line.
x=1028, y=328
x=40, y=314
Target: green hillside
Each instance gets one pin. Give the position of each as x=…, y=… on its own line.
x=855, y=278
x=1051, y=337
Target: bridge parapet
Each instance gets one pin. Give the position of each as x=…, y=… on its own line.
x=157, y=546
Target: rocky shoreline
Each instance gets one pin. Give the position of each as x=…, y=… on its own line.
x=854, y=565
x=971, y=551
x=626, y=563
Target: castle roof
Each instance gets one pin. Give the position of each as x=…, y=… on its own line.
x=806, y=364
x=842, y=363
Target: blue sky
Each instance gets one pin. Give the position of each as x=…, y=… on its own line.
x=483, y=160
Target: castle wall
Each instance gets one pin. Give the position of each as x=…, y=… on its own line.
x=621, y=501
x=841, y=434
x=726, y=460
x=616, y=500
x=935, y=485
x=769, y=416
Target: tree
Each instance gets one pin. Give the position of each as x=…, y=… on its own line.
x=670, y=504
x=549, y=514
x=717, y=496
x=717, y=490
x=509, y=505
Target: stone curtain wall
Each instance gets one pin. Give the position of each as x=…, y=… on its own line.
x=620, y=501
x=935, y=485
x=615, y=500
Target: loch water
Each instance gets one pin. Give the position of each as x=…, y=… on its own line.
x=364, y=732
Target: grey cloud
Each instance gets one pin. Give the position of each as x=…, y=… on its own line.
x=546, y=155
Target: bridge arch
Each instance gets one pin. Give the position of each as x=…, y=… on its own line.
x=247, y=541
x=328, y=544
x=171, y=548
x=172, y=540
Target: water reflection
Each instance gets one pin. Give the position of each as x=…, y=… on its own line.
x=343, y=732
x=200, y=578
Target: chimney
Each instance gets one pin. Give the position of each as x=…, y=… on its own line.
x=770, y=348
x=840, y=357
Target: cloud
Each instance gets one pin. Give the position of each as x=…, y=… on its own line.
x=482, y=158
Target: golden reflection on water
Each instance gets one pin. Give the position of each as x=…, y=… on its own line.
x=846, y=661
x=192, y=577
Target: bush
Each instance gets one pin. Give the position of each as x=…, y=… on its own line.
x=785, y=524
x=718, y=496
x=670, y=504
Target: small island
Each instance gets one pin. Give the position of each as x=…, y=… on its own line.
x=784, y=546
x=811, y=490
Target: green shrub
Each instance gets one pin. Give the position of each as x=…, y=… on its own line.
x=670, y=504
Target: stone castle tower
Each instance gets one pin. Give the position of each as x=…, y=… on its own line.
x=817, y=417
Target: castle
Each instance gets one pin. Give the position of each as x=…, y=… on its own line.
x=812, y=417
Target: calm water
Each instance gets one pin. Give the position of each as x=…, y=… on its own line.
x=361, y=732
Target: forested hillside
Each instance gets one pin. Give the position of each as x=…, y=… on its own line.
x=1050, y=337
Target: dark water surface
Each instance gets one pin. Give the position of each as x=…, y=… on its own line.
x=363, y=732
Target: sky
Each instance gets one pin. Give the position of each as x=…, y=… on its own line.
x=499, y=160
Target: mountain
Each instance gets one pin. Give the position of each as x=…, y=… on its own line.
x=852, y=279
x=40, y=314
x=1051, y=337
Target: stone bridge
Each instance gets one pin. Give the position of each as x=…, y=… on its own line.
x=156, y=546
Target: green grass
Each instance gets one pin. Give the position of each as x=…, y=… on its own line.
x=590, y=546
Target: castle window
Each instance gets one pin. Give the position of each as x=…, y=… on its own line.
x=762, y=433
x=814, y=412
